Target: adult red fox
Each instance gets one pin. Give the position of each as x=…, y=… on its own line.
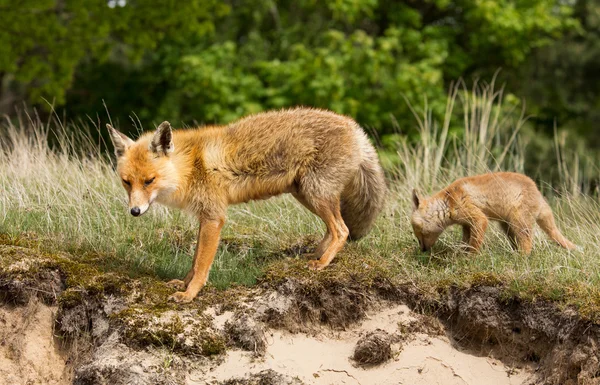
x=323, y=159
x=507, y=197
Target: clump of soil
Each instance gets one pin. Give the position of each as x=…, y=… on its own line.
x=265, y=377
x=186, y=331
x=298, y=307
x=373, y=348
x=245, y=333
x=115, y=363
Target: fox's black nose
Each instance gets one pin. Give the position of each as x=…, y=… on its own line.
x=135, y=211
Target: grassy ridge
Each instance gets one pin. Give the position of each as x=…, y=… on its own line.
x=69, y=198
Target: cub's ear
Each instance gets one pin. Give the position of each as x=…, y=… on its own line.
x=162, y=142
x=119, y=140
x=416, y=199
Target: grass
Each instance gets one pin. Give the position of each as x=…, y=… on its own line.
x=60, y=188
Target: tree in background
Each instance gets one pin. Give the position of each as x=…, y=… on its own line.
x=214, y=61
x=43, y=43
x=363, y=58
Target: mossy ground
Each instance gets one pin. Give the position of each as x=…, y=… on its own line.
x=267, y=242
x=25, y=265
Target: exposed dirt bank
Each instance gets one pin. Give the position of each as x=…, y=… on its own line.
x=29, y=353
x=418, y=356
x=122, y=331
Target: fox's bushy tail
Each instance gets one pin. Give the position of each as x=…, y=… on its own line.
x=546, y=221
x=364, y=196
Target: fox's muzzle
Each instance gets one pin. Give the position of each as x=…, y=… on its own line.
x=139, y=202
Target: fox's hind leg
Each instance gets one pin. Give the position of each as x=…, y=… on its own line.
x=324, y=244
x=328, y=209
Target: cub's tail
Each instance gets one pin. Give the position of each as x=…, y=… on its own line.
x=364, y=196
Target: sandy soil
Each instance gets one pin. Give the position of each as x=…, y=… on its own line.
x=418, y=358
x=28, y=352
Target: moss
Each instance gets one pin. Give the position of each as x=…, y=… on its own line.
x=139, y=329
x=30, y=272
x=185, y=332
x=29, y=240
x=70, y=298
x=483, y=278
x=213, y=345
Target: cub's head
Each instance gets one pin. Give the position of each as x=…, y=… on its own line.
x=145, y=166
x=427, y=220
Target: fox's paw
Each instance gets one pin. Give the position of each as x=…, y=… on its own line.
x=177, y=284
x=316, y=265
x=181, y=297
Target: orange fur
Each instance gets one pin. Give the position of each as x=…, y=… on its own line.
x=323, y=159
x=509, y=198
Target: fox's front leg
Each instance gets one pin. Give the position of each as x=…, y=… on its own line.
x=208, y=241
x=182, y=285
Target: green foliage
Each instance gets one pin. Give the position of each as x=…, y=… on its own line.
x=42, y=42
x=197, y=62
x=363, y=58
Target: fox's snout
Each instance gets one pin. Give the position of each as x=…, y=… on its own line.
x=136, y=209
x=140, y=200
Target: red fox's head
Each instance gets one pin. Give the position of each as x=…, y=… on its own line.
x=428, y=220
x=145, y=166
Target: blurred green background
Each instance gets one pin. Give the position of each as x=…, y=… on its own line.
x=206, y=61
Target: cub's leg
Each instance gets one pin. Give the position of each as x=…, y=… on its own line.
x=471, y=216
x=509, y=234
x=466, y=234
x=522, y=227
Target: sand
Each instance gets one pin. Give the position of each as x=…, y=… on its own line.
x=417, y=358
x=28, y=351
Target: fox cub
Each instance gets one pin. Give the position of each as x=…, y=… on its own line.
x=509, y=198
x=323, y=159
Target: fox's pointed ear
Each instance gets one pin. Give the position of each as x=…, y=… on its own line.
x=119, y=140
x=162, y=142
x=416, y=199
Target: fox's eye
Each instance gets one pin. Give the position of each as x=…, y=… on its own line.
x=146, y=183
x=128, y=183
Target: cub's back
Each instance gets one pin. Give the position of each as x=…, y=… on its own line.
x=498, y=194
